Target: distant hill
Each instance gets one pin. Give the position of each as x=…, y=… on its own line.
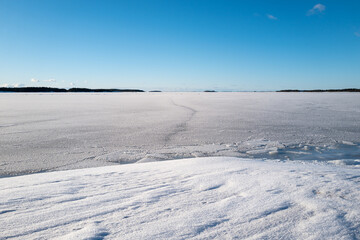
x=48, y=89
x=323, y=90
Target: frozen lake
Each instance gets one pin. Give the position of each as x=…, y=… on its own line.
x=47, y=132
x=249, y=166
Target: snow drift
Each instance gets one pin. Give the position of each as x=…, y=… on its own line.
x=185, y=199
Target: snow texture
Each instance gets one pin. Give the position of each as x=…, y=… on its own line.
x=200, y=198
x=48, y=132
x=250, y=166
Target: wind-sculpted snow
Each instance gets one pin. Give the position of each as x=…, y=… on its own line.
x=201, y=198
x=47, y=132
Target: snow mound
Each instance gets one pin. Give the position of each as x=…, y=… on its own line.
x=217, y=197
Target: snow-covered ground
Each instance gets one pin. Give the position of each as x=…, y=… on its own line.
x=249, y=166
x=47, y=132
x=200, y=198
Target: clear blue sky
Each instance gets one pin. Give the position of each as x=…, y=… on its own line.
x=180, y=45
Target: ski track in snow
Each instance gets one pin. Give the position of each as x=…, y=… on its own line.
x=181, y=126
x=200, y=198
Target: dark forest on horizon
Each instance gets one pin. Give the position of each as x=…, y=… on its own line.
x=323, y=90
x=50, y=89
x=89, y=90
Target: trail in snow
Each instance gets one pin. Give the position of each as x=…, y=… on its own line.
x=181, y=127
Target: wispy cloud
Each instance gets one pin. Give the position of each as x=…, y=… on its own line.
x=6, y=85
x=357, y=34
x=50, y=80
x=272, y=17
x=72, y=84
x=37, y=80
x=317, y=9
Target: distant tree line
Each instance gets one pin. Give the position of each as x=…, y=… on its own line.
x=323, y=90
x=50, y=89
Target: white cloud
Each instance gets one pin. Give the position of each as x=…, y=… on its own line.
x=50, y=80
x=357, y=34
x=34, y=80
x=72, y=84
x=272, y=17
x=6, y=85
x=318, y=8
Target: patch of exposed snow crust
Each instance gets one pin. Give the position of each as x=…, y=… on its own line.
x=257, y=148
x=213, y=197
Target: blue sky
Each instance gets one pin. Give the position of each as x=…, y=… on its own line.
x=180, y=45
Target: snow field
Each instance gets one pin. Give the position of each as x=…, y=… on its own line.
x=215, y=197
x=50, y=132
